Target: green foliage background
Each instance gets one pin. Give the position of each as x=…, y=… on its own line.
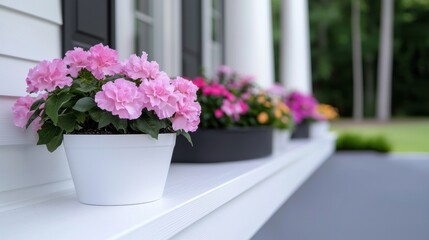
x=331, y=54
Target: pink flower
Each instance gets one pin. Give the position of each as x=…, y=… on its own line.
x=185, y=89
x=224, y=70
x=243, y=105
x=139, y=67
x=188, y=116
x=159, y=96
x=199, y=82
x=121, y=98
x=76, y=60
x=215, y=89
x=277, y=90
x=21, y=111
x=234, y=109
x=188, y=113
x=218, y=113
x=47, y=76
x=103, y=61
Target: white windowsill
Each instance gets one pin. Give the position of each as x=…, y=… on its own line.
x=193, y=194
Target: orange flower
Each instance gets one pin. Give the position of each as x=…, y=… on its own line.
x=261, y=99
x=267, y=104
x=278, y=113
x=263, y=117
x=329, y=112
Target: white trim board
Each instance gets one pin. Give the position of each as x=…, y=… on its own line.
x=194, y=196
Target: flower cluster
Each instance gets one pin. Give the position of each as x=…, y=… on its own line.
x=271, y=111
x=93, y=92
x=231, y=100
x=327, y=112
x=303, y=107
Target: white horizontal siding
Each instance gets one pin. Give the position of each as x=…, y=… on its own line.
x=30, y=31
x=31, y=165
x=49, y=10
x=22, y=163
x=12, y=75
x=27, y=37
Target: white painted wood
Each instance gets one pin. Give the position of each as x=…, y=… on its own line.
x=24, y=166
x=28, y=38
x=295, y=61
x=49, y=10
x=248, y=39
x=207, y=31
x=194, y=193
x=242, y=217
x=125, y=28
x=172, y=37
x=14, y=199
x=13, y=72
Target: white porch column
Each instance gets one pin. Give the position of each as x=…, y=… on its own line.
x=295, y=61
x=248, y=39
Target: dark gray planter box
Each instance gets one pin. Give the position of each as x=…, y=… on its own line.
x=224, y=145
x=302, y=130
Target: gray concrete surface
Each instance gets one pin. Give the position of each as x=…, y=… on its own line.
x=358, y=196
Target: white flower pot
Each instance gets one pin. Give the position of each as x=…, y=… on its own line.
x=119, y=169
x=319, y=129
x=281, y=139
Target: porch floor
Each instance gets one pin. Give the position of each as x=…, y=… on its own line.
x=358, y=196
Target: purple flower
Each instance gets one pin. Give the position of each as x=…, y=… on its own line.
x=302, y=106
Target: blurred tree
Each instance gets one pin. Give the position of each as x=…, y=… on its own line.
x=384, y=81
x=357, y=62
x=331, y=54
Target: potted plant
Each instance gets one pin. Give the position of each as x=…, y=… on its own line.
x=304, y=111
x=118, y=121
x=326, y=114
x=282, y=118
x=236, y=121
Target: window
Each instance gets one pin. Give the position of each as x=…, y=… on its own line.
x=217, y=33
x=213, y=35
x=144, y=26
x=148, y=33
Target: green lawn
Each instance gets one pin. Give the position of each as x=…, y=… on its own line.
x=406, y=135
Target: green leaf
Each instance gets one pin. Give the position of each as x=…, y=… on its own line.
x=67, y=122
x=120, y=124
x=32, y=117
x=106, y=118
x=95, y=114
x=55, y=142
x=84, y=104
x=47, y=133
x=85, y=88
x=186, y=135
x=80, y=117
x=37, y=104
x=54, y=103
x=150, y=124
